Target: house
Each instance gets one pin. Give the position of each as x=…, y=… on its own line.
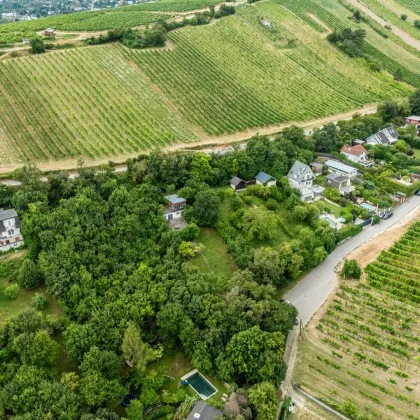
x=414, y=119
x=49, y=32
x=237, y=184
x=357, y=154
x=10, y=236
x=301, y=177
x=341, y=168
x=203, y=411
x=415, y=177
x=174, y=208
x=264, y=179
x=386, y=137
x=340, y=182
x=316, y=168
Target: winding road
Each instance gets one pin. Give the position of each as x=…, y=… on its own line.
x=311, y=292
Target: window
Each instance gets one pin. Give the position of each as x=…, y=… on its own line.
x=11, y=232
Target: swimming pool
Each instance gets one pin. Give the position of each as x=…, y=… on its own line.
x=367, y=207
x=330, y=221
x=200, y=384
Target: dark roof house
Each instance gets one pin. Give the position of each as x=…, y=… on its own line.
x=237, y=183
x=385, y=137
x=6, y=215
x=203, y=411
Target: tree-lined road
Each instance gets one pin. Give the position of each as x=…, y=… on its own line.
x=311, y=292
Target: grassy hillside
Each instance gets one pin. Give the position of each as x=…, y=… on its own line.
x=364, y=351
x=215, y=79
x=413, y=5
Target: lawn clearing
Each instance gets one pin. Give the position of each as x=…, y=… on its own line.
x=365, y=348
x=214, y=257
x=9, y=308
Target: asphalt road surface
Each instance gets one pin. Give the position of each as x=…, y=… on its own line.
x=312, y=291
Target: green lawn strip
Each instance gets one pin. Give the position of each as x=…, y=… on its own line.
x=214, y=257
x=335, y=210
x=9, y=308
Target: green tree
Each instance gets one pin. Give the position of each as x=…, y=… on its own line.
x=332, y=194
x=351, y=270
x=263, y=401
x=259, y=223
x=415, y=102
x=29, y=277
x=104, y=361
x=200, y=167
x=134, y=350
x=37, y=45
x=398, y=76
x=253, y=356
x=12, y=291
x=206, y=209
x=135, y=410
x=39, y=301
x=404, y=16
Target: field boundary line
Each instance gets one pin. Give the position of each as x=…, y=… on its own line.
x=312, y=398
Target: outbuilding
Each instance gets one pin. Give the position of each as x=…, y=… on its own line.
x=175, y=206
x=237, y=184
x=265, y=179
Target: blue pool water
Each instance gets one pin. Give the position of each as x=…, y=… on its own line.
x=367, y=206
x=201, y=386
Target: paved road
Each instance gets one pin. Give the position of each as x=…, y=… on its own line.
x=311, y=292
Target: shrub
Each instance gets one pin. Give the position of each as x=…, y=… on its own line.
x=29, y=277
x=12, y=291
x=351, y=270
x=39, y=301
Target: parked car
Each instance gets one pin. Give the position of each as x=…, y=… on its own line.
x=285, y=301
x=418, y=193
x=388, y=215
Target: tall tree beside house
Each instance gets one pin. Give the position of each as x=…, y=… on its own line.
x=206, y=209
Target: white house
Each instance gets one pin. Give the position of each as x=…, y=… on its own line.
x=386, y=137
x=341, y=168
x=10, y=236
x=301, y=177
x=264, y=179
x=357, y=154
x=174, y=208
x=413, y=119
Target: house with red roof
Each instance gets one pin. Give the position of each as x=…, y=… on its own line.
x=357, y=154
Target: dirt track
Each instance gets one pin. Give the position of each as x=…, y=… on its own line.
x=209, y=141
x=410, y=40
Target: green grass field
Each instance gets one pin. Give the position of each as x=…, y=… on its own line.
x=214, y=257
x=365, y=348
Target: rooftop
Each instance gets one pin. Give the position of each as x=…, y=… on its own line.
x=7, y=214
x=299, y=170
x=263, y=177
x=236, y=180
x=203, y=411
x=174, y=199
x=354, y=150
x=413, y=117
x=339, y=166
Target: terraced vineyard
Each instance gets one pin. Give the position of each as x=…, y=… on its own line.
x=98, y=106
x=227, y=77
x=366, y=348
x=215, y=79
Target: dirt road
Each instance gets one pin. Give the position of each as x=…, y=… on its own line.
x=410, y=40
x=70, y=164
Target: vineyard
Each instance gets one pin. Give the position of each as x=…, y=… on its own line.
x=385, y=13
x=413, y=5
x=128, y=16
x=88, y=102
x=209, y=80
x=364, y=356
x=391, y=53
x=228, y=76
